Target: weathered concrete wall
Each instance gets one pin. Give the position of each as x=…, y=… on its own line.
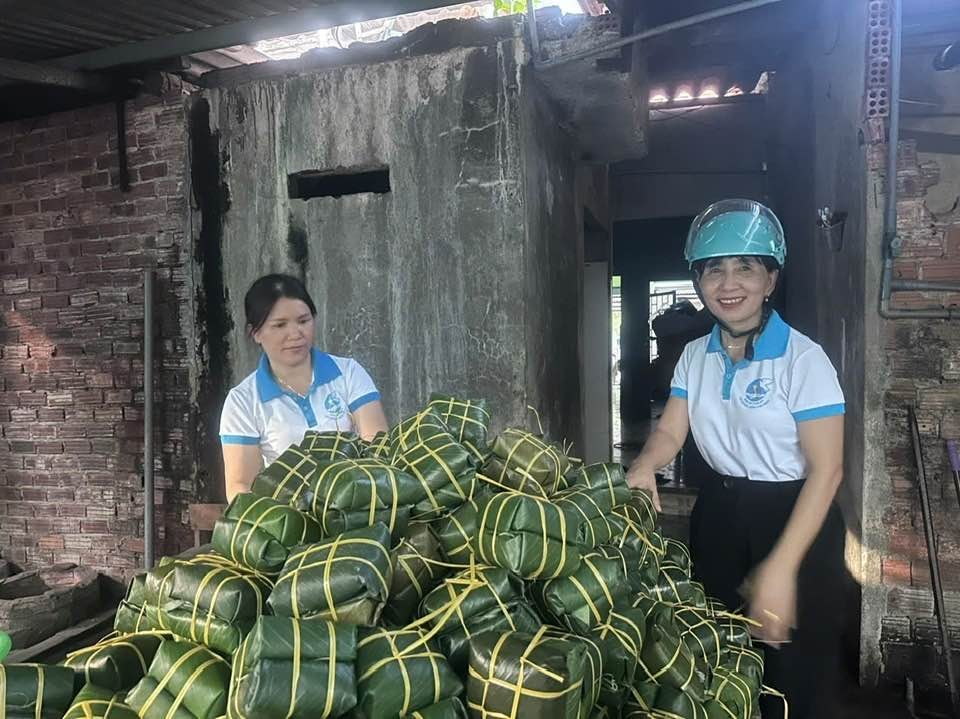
x=552, y=265
x=448, y=282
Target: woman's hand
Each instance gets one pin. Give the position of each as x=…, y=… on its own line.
x=772, y=595
x=644, y=478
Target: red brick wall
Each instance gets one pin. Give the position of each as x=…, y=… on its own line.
x=72, y=252
x=923, y=363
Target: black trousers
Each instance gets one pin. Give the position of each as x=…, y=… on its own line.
x=734, y=525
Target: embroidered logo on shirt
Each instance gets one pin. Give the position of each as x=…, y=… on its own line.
x=334, y=406
x=757, y=393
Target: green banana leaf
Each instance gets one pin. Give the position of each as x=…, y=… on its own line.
x=608, y=476
x=449, y=709
x=675, y=586
x=732, y=630
x=258, y=532
x=495, y=474
x=468, y=420
x=588, y=513
x=445, y=469
x=212, y=605
x=748, y=662
x=343, y=579
x=396, y=521
x=546, y=675
x=95, y=702
x=531, y=457
x=671, y=703
x=287, y=477
x=640, y=700
x=677, y=553
x=666, y=660
x=613, y=695
x=35, y=691
x=527, y=535
x=716, y=608
x=630, y=535
x=135, y=614
x=455, y=532
x=476, y=600
x=115, y=663
x=644, y=513
x=732, y=695
x=409, y=432
x=185, y=681
x=139, y=611
x=398, y=672
x=700, y=634
x=292, y=669
x=417, y=569
x=379, y=447
x=657, y=612
x=353, y=493
x=620, y=637
x=331, y=446
x=585, y=598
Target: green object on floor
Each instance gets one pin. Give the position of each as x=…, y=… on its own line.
x=294, y=670
x=398, y=672
x=259, y=533
x=5, y=645
x=184, y=681
x=344, y=579
x=94, y=702
x=547, y=675
x=35, y=691
x=116, y=663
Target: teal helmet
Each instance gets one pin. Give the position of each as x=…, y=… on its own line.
x=731, y=228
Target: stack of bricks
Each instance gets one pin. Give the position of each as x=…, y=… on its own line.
x=73, y=248
x=923, y=370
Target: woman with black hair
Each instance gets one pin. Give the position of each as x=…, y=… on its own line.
x=766, y=411
x=295, y=387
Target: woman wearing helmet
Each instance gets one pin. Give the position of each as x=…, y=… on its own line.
x=766, y=411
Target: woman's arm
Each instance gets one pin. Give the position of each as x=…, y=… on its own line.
x=661, y=447
x=241, y=464
x=773, y=600
x=370, y=419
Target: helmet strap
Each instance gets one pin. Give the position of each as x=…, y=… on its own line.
x=750, y=334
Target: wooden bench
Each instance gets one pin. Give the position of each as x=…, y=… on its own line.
x=203, y=517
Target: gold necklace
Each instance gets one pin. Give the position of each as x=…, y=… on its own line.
x=280, y=380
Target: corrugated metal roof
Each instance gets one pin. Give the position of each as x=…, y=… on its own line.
x=36, y=31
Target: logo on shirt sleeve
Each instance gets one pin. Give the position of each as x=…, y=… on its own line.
x=757, y=393
x=334, y=406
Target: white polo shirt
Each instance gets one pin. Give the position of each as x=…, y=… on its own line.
x=744, y=415
x=260, y=411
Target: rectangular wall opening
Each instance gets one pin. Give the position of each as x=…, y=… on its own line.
x=308, y=184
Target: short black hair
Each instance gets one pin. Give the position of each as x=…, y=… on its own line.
x=264, y=293
x=768, y=262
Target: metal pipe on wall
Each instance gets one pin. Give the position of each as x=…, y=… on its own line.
x=655, y=31
x=891, y=249
x=148, y=496
x=534, y=32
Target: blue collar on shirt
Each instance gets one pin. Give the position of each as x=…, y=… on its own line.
x=771, y=344
x=324, y=370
